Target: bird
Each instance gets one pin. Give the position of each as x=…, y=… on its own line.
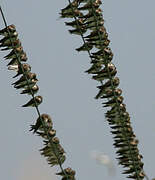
x=14, y=53
x=104, y=54
x=11, y=28
x=69, y=8
x=28, y=84
x=24, y=78
x=106, y=73
x=93, y=15
x=95, y=33
x=78, y=31
x=114, y=101
x=91, y=5
x=85, y=47
x=36, y=101
x=94, y=68
x=99, y=42
x=121, y=107
x=15, y=60
x=10, y=45
x=84, y=1
x=20, y=68
x=76, y=23
x=72, y=14
x=92, y=25
x=70, y=173
x=110, y=84
x=51, y=134
x=111, y=93
x=43, y=122
x=33, y=90
x=110, y=67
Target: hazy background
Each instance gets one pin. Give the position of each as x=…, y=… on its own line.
x=69, y=92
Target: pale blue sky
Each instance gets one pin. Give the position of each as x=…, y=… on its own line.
x=69, y=92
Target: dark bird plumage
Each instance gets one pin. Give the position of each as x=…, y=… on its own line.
x=113, y=101
x=109, y=71
x=78, y=31
x=111, y=93
x=76, y=23
x=34, y=89
x=96, y=67
x=44, y=121
x=14, y=53
x=14, y=61
x=51, y=133
x=27, y=84
x=91, y=5
x=15, y=44
x=20, y=68
x=69, y=8
x=85, y=47
x=74, y=13
x=11, y=28
x=95, y=33
x=34, y=102
x=6, y=41
x=108, y=85
x=22, y=80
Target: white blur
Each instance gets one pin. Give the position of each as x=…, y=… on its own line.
x=103, y=159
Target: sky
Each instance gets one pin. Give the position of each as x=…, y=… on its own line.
x=69, y=93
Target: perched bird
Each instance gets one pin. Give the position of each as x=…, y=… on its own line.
x=6, y=41
x=15, y=53
x=99, y=42
x=85, y=1
x=108, y=85
x=106, y=73
x=95, y=33
x=105, y=54
x=11, y=28
x=110, y=93
x=91, y=5
x=29, y=84
x=114, y=101
x=74, y=13
x=95, y=39
x=76, y=23
x=43, y=122
x=93, y=15
x=110, y=67
x=51, y=134
x=14, y=61
x=107, y=51
x=121, y=107
x=36, y=101
x=69, y=9
x=10, y=45
x=94, y=68
x=20, y=69
x=34, y=89
x=85, y=47
x=69, y=174
x=24, y=78
x=78, y=31
x=92, y=25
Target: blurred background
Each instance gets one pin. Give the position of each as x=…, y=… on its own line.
x=69, y=93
